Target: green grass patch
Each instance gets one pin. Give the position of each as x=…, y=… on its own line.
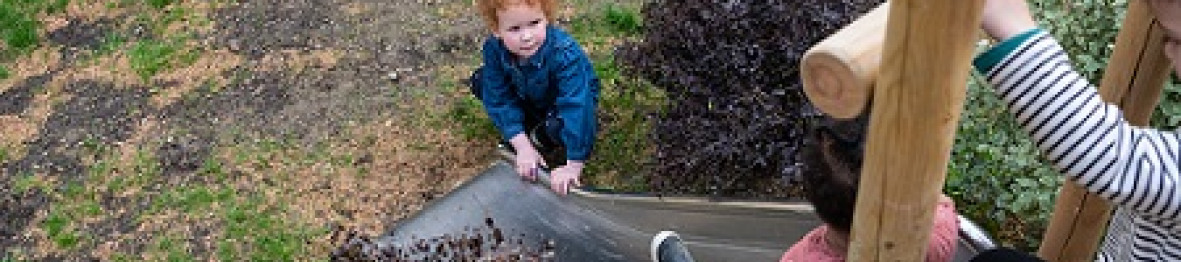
x=90, y=208
x=4, y=154
x=27, y=182
x=101, y=168
x=623, y=19
x=58, y=227
x=150, y=57
x=4, y=75
x=623, y=149
x=17, y=26
x=607, y=20
x=159, y=3
x=214, y=168
x=73, y=190
x=474, y=122
x=111, y=42
x=173, y=249
x=254, y=232
x=18, y=23
x=191, y=199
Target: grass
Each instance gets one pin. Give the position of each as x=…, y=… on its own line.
x=265, y=235
x=28, y=182
x=159, y=3
x=4, y=154
x=4, y=75
x=623, y=19
x=191, y=199
x=173, y=249
x=58, y=226
x=17, y=26
x=241, y=203
x=150, y=57
x=622, y=149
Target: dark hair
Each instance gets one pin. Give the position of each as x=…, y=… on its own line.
x=832, y=157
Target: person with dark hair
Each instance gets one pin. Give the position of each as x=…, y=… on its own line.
x=832, y=158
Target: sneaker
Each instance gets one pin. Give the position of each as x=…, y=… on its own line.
x=668, y=247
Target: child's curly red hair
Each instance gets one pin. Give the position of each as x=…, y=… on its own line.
x=488, y=9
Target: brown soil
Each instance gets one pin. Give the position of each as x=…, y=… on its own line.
x=309, y=74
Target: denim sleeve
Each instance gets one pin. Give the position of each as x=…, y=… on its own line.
x=502, y=105
x=578, y=95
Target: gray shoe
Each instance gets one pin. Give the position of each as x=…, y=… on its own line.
x=668, y=247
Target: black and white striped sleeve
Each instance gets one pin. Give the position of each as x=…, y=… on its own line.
x=1086, y=139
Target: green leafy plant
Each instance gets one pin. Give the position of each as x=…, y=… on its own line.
x=1167, y=115
x=4, y=74
x=996, y=174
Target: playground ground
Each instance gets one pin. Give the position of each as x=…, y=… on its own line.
x=230, y=130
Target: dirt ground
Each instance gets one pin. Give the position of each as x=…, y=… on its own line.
x=327, y=109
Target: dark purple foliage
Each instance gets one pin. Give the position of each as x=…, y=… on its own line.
x=737, y=113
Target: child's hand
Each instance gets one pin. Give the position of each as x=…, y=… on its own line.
x=528, y=159
x=1168, y=13
x=564, y=177
x=1006, y=18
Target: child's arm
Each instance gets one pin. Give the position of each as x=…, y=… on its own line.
x=576, y=102
x=1086, y=139
x=504, y=108
x=578, y=94
x=501, y=104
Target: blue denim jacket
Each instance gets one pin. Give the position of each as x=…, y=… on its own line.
x=559, y=77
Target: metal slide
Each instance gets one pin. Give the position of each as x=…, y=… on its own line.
x=590, y=226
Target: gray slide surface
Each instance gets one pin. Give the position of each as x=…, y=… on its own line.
x=587, y=226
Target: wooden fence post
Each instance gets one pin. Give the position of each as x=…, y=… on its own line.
x=918, y=97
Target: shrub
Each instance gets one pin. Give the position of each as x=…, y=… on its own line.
x=730, y=69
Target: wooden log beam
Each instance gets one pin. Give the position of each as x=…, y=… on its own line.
x=839, y=72
x=1133, y=81
x=917, y=100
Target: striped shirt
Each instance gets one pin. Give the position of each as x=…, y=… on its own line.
x=1090, y=142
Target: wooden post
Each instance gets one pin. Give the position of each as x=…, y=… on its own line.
x=918, y=97
x=1133, y=81
x=839, y=72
